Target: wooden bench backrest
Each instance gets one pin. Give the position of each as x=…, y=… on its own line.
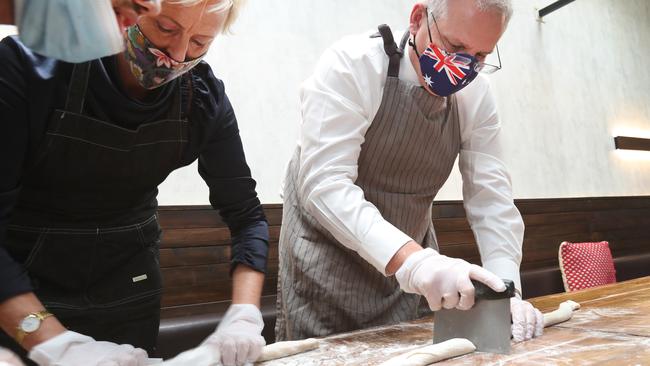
x=195, y=251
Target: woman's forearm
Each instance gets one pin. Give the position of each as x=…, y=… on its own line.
x=13, y=310
x=247, y=285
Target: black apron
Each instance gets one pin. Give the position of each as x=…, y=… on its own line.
x=85, y=226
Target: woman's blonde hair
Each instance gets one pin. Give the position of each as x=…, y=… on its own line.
x=231, y=6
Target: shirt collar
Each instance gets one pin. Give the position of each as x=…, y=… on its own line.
x=407, y=72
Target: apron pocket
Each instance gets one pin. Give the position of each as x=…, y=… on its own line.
x=24, y=243
x=129, y=269
x=60, y=261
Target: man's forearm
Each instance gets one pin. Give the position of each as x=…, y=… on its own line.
x=247, y=285
x=15, y=309
x=398, y=259
x=7, y=12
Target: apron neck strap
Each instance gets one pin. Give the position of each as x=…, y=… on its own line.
x=405, y=39
x=77, y=88
x=79, y=84
x=390, y=47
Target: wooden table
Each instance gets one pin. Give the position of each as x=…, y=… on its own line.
x=611, y=328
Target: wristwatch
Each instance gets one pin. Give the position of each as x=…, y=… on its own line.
x=30, y=324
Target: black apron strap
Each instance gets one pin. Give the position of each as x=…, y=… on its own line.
x=186, y=93
x=77, y=88
x=79, y=84
x=391, y=49
x=176, y=111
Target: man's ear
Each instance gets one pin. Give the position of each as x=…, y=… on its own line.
x=418, y=15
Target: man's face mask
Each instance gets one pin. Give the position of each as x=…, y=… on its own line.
x=68, y=30
x=447, y=73
x=150, y=66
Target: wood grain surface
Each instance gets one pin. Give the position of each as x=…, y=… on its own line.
x=611, y=328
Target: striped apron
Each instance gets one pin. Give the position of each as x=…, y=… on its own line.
x=408, y=154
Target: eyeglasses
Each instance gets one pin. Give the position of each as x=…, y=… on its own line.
x=480, y=66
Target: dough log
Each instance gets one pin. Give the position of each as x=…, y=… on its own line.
x=432, y=353
x=287, y=348
x=562, y=314
x=209, y=356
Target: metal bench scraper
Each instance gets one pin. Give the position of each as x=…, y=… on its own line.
x=486, y=324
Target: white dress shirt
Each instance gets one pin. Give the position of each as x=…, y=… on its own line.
x=338, y=104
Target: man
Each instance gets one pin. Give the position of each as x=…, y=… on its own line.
x=74, y=31
x=380, y=134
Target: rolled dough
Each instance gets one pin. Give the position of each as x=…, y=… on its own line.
x=202, y=355
x=432, y=353
x=562, y=314
x=287, y=348
x=209, y=356
x=460, y=346
x=426, y=355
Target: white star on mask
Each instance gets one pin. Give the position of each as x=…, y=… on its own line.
x=427, y=79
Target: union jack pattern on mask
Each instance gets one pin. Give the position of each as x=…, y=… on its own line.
x=446, y=73
x=451, y=64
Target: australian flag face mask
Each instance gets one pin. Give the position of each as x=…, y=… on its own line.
x=445, y=73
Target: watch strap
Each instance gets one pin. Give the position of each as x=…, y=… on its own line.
x=21, y=333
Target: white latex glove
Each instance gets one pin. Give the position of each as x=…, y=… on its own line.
x=7, y=358
x=527, y=321
x=238, y=337
x=74, y=349
x=440, y=279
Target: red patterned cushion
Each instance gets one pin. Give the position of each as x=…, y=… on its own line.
x=586, y=265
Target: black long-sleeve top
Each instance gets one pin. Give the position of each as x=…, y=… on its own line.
x=32, y=87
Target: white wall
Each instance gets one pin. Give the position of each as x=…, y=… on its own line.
x=568, y=86
x=275, y=47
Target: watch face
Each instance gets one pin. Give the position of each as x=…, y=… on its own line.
x=30, y=324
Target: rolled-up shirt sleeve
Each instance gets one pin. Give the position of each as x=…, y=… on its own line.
x=337, y=106
x=487, y=188
x=222, y=164
x=14, y=139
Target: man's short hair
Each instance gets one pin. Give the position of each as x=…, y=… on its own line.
x=439, y=7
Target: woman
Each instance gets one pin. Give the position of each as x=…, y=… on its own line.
x=82, y=149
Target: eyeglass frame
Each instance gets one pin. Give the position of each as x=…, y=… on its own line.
x=480, y=65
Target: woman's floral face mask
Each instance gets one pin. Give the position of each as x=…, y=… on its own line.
x=151, y=66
